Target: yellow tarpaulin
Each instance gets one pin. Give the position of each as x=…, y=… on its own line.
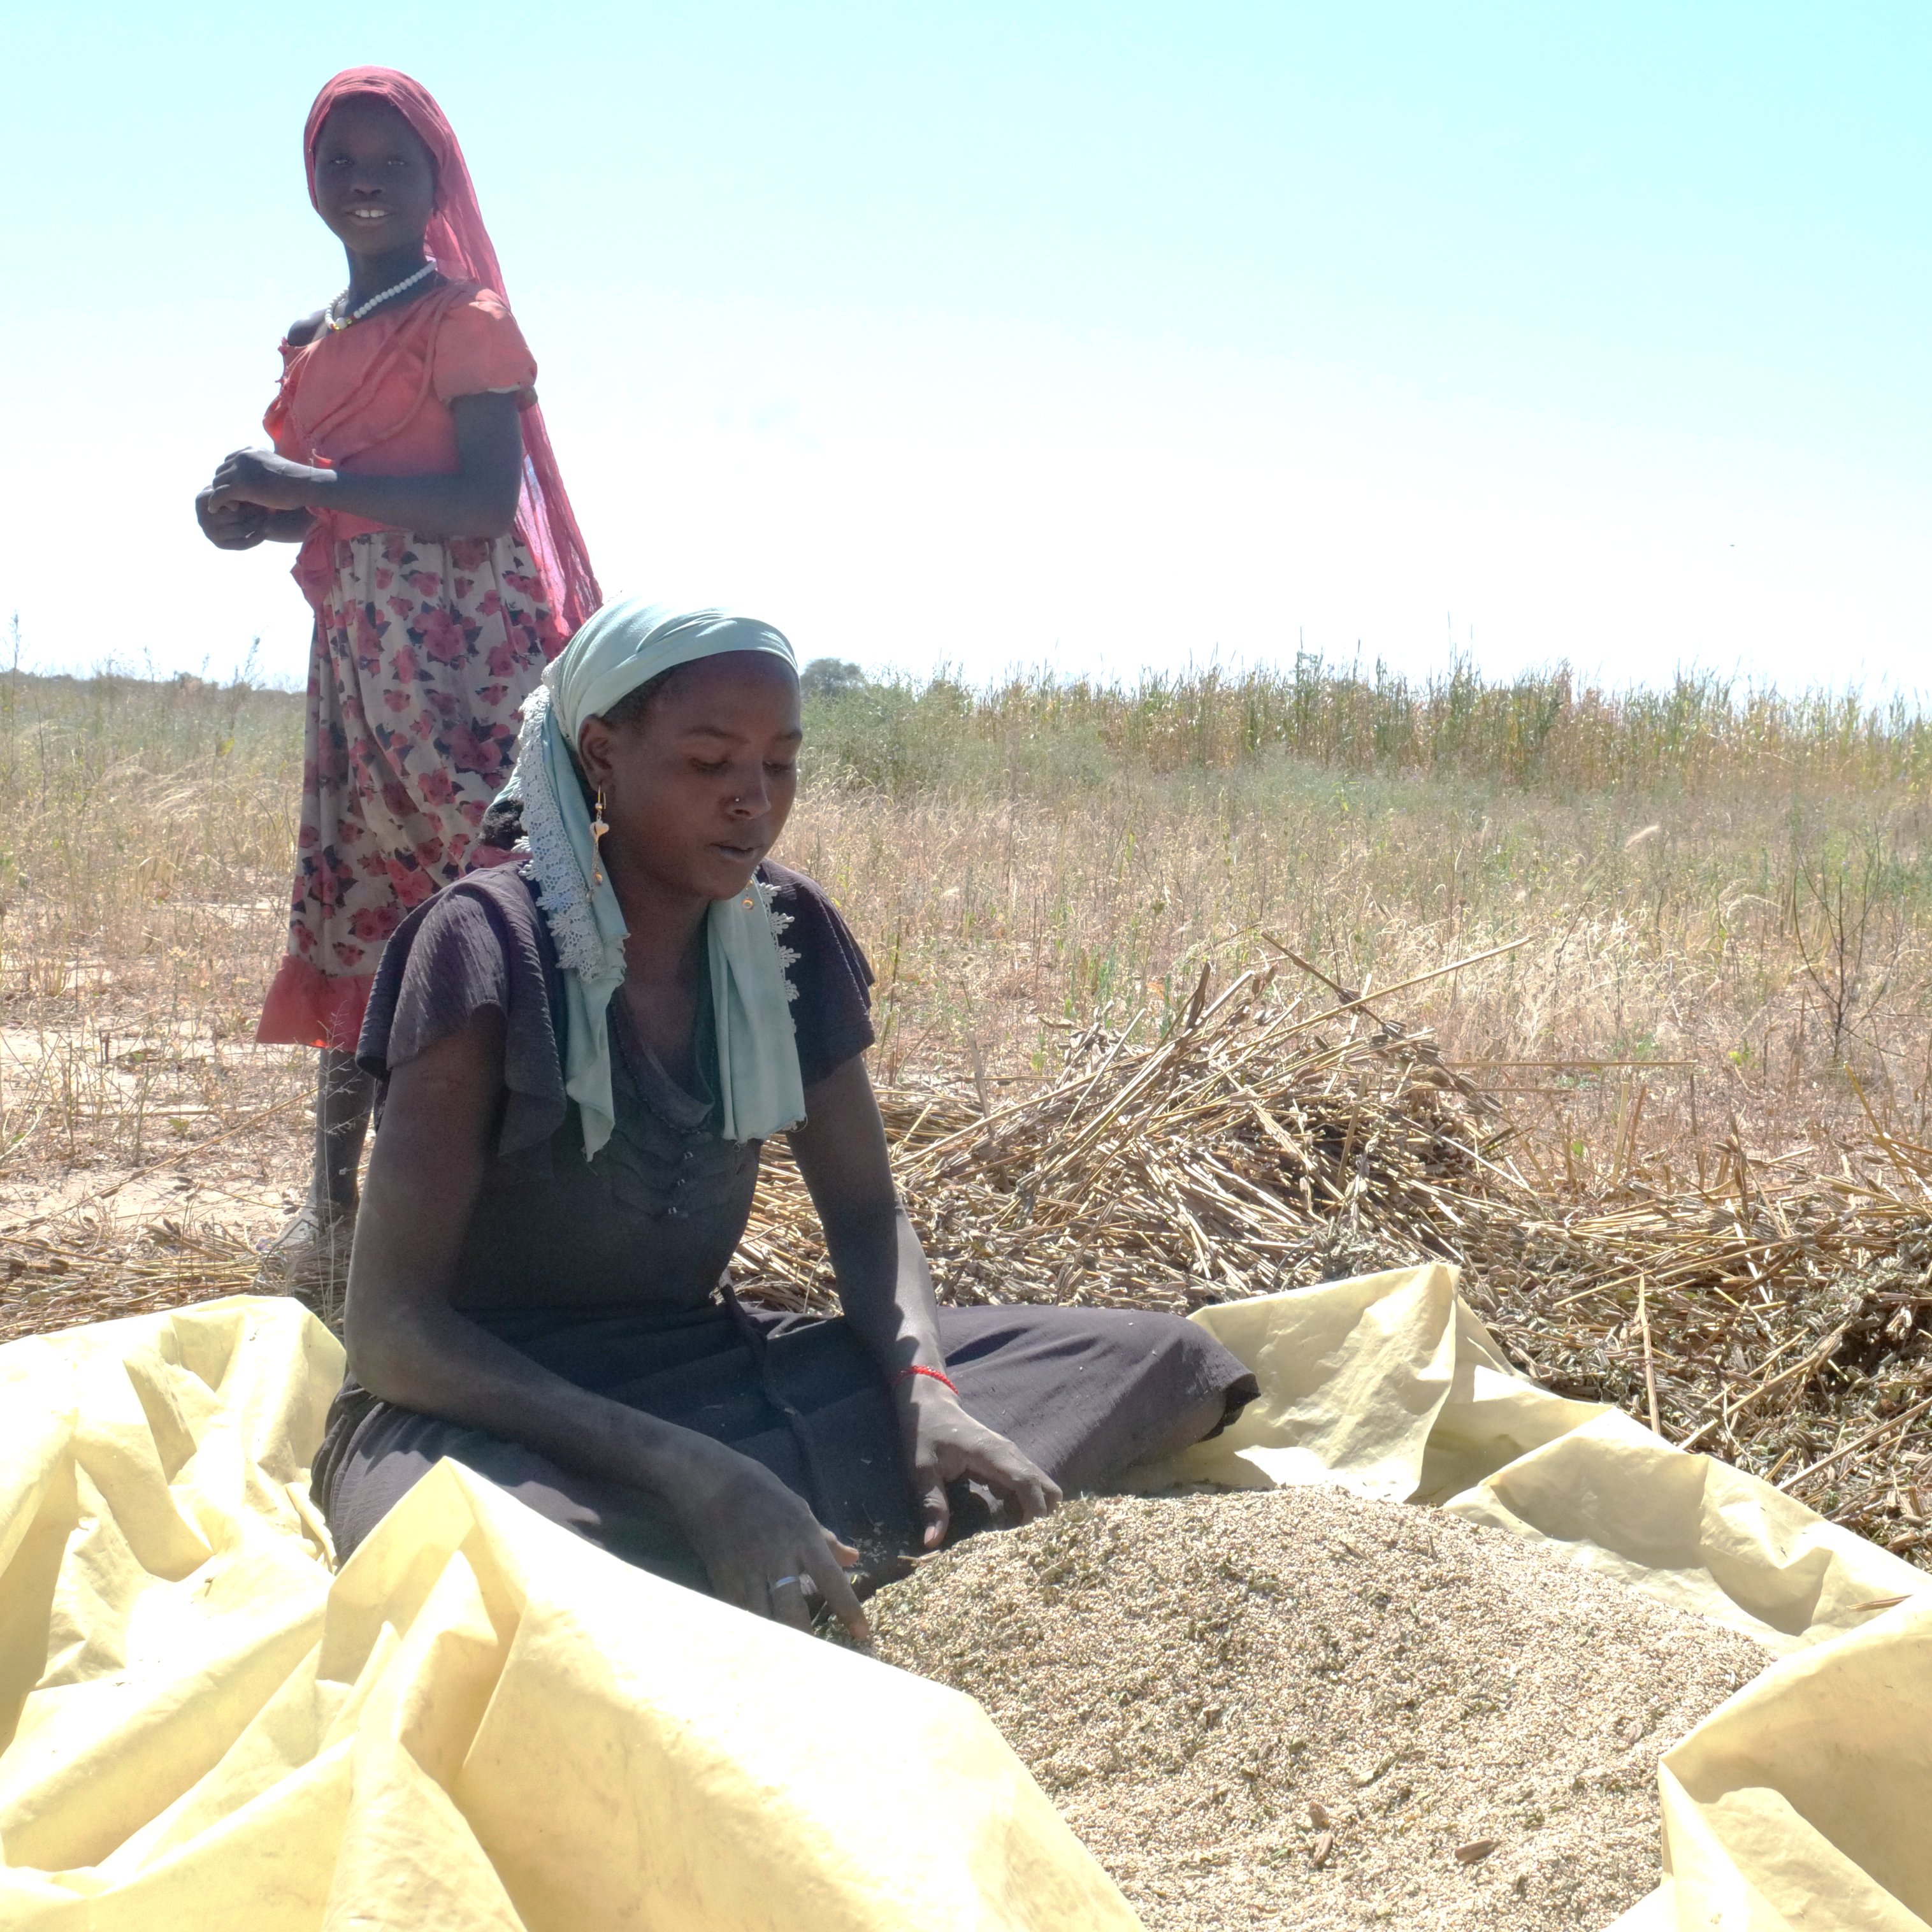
x=1802, y=1802
x=1390, y=1387
x=484, y=1723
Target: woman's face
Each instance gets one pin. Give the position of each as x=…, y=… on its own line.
x=375, y=183
x=697, y=790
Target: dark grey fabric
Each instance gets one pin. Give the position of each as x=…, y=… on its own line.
x=653, y=1220
x=477, y=946
x=481, y=943
x=607, y=1271
x=1085, y=1392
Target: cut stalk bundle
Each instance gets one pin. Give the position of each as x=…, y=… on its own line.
x=1771, y=1319
x=82, y=1267
x=1251, y=1150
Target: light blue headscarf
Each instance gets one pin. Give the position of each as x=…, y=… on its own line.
x=623, y=646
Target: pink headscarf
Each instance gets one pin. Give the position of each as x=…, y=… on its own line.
x=461, y=244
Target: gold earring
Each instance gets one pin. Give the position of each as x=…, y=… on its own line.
x=598, y=829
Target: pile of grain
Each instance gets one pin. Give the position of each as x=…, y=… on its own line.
x=1300, y=1708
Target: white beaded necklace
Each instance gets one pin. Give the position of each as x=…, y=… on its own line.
x=339, y=323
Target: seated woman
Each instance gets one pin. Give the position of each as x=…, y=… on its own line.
x=581, y=1055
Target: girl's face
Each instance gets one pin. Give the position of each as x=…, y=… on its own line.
x=697, y=790
x=375, y=183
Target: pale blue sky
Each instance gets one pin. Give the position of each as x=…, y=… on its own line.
x=1094, y=337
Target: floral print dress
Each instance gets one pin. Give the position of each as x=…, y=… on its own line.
x=425, y=653
x=424, y=650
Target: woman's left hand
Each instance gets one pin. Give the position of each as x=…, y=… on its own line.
x=260, y=476
x=944, y=1443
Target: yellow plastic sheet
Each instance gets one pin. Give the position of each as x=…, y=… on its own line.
x=1804, y=1802
x=1388, y=1386
x=484, y=1723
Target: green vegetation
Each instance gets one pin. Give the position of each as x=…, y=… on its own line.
x=1547, y=732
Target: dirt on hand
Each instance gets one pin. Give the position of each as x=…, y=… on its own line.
x=1300, y=1708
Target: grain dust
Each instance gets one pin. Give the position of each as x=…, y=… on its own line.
x=1298, y=1709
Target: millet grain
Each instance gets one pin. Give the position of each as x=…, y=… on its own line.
x=1301, y=1709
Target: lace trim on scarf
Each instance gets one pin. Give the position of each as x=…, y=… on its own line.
x=561, y=886
x=787, y=956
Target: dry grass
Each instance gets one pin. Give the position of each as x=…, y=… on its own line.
x=1700, y=1082
x=145, y=1142
x=1773, y=1318
x=1697, y=962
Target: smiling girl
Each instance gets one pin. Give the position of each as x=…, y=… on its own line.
x=444, y=567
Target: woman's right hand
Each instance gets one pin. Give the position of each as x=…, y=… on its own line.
x=229, y=525
x=761, y=1545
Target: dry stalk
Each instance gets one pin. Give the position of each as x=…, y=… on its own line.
x=1251, y=1152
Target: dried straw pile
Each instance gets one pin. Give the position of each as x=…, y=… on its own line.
x=1254, y=1149
x=1775, y=1318
x=57, y=1273
x=89, y=1257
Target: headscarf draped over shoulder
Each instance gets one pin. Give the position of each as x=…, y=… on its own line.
x=623, y=646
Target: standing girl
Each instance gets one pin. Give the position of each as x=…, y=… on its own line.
x=442, y=561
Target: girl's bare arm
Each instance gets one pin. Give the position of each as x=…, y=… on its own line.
x=478, y=500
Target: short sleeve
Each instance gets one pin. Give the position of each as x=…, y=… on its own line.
x=280, y=421
x=478, y=945
x=480, y=350
x=832, y=1014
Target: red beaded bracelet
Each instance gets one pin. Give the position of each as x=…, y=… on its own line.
x=919, y=1368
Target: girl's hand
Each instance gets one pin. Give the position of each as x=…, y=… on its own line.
x=762, y=1546
x=230, y=526
x=272, y=482
x=944, y=1443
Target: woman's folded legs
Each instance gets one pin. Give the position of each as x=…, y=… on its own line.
x=1085, y=1393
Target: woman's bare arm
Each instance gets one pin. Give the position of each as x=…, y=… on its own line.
x=884, y=1285
x=409, y=1345
x=886, y=1290
x=478, y=500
